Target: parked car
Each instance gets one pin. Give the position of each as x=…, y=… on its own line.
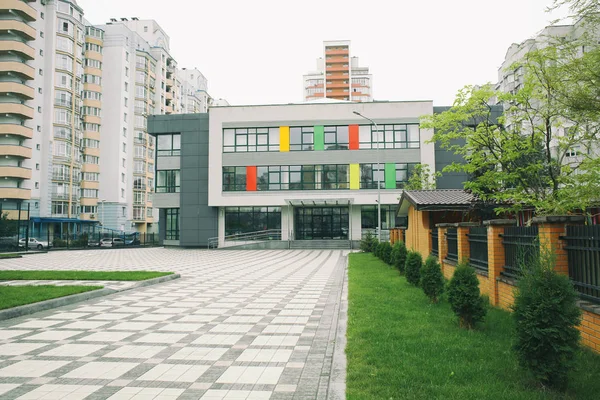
x=34, y=243
x=118, y=242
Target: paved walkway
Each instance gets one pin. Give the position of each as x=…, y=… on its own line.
x=237, y=325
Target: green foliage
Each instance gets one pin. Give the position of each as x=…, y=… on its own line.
x=59, y=243
x=82, y=241
x=399, y=260
x=386, y=253
x=432, y=279
x=546, y=315
x=8, y=227
x=368, y=243
x=422, y=178
x=414, y=263
x=464, y=296
x=378, y=250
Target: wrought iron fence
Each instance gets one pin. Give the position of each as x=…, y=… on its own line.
x=452, y=240
x=434, y=242
x=583, y=253
x=478, y=248
x=521, y=249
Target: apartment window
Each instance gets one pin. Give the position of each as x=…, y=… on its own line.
x=40, y=90
x=168, y=181
x=168, y=145
x=95, y=79
x=125, y=101
x=37, y=185
x=39, y=109
x=251, y=219
x=301, y=138
x=125, y=117
x=250, y=139
x=397, y=136
x=234, y=179
x=139, y=167
x=126, y=87
x=124, y=211
x=91, y=176
x=370, y=174
x=126, y=56
x=93, y=193
x=91, y=143
x=122, y=193
x=124, y=147
x=91, y=127
x=42, y=15
x=90, y=159
x=172, y=223
x=125, y=132
x=122, y=177
x=41, y=52
x=62, y=116
x=41, y=72
x=145, y=28
x=127, y=71
x=37, y=147
x=39, y=128
x=123, y=162
x=65, y=62
x=336, y=137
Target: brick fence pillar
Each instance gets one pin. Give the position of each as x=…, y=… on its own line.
x=442, y=243
x=464, y=249
x=551, y=228
x=401, y=234
x=495, y=254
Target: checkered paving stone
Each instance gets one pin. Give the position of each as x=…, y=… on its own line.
x=237, y=325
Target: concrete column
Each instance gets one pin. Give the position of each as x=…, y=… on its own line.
x=495, y=254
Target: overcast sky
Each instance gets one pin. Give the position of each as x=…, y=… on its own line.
x=255, y=52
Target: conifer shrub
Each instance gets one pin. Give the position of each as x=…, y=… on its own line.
x=386, y=253
x=432, y=279
x=465, y=298
x=368, y=243
x=414, y=263
x=400, y=260
x=394, y=253
x=546, y=317
x=379, y=250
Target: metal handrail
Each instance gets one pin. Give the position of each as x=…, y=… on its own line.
x=213, y=243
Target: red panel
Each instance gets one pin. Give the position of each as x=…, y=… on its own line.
x=251, y=179
x=353, y=137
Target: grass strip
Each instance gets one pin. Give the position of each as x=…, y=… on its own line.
x=13, y=296
x=10, y=255
x=402, y=347
x=80, y=275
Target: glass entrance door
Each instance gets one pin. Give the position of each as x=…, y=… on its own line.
x=321, y=223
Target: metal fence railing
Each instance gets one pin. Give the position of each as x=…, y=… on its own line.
x=583, y=254
x=270, y=234
x=478, y=248
x=521, y=249
x=434, y=242
x=452, y=240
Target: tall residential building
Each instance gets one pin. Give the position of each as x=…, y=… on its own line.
x=49, y=62
x=193, y=91
x=338, y=75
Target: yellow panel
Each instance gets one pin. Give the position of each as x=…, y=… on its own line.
x=284, y=138
x=354, y=176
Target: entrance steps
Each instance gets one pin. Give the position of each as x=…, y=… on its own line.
x=320, y=244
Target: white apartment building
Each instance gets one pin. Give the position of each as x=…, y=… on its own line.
x=338, y=76
x=50, y=113
x=193, y=91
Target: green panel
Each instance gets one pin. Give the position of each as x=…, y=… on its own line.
x=390, y=175
x=319, y=137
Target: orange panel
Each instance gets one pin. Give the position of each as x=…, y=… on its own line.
x=353, y=137
x=251, y=179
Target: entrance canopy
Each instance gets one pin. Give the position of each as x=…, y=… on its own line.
x=319, y=202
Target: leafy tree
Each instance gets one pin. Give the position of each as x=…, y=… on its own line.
x=546, y=318
x=414, y=262
x=422, y=178
x=8, y=227
x=465, y=298
x=432, y=279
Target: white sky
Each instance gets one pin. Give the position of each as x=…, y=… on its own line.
x=255, y=52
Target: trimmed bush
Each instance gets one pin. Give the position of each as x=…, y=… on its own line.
x=546, y=315
x=465, y=298
x=432, y=279
x=368, y=243
x=386, y=253
x=400, y=260
x=394, y=253
x=414, y=263
x=378, y=250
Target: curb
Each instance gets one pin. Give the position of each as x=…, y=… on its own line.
x=337, y=378
x=19, y=311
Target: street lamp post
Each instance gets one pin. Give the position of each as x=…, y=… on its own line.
x=378, y=176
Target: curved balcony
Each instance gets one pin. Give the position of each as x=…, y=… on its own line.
x=23, y=71
x=21, y=7
x=17, y=89
x=92, y=87
x=169, y=95
x=20, y=48
x=94, y=40
x=17, y=27
x=92, y=119
x=15, y=193
x=17, y=130
x=88, y=201
x=21, y=110
x=15, y=151
x=168, y=82
x=93, y=55
x=15, y=172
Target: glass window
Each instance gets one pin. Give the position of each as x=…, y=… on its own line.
x=250, y=140
x=301, y=138
x=371, y=174
x=336, y=137
x=168, y=145
x=398, y=136
x=167, y=181
x=234, y=179
x=251, y=219
x=172, y=224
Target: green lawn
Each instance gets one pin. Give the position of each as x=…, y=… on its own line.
x=80, y=275
x=402, y=347
x=10, y=255
x=12, y=296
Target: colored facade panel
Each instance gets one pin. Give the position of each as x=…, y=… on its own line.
x=284, y=138
x=354, y=176
x=319, y=137
x=390, y=176
x=251, y=179
x=353, y=129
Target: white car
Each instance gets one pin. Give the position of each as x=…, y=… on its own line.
x=108, y=242
x=34, y=244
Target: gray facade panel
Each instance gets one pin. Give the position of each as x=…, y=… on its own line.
x=167, y=163
x=198, y=222
x=321, y=157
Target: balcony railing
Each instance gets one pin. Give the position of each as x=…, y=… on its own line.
x=139, y=187
x=63, y=102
